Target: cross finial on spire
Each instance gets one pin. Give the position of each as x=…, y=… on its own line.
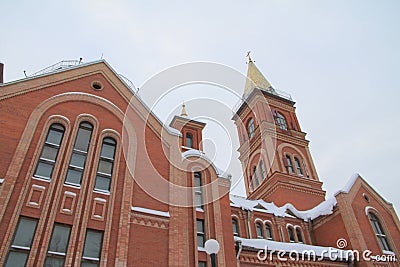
x=183, y=112
x=248, y=56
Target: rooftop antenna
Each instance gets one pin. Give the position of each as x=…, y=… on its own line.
x=80, y=60
x=26, y=76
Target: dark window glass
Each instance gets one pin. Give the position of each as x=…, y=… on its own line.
x=79, y=154
x=58, y=245
x=281, y=121
x=298, y=166
x=259, y=230
x=299, y=235
x=291, y=234
x=235, y=227
x=256, y=182
x=48, y=156
x=202, y=264
x=250, y=128
x=106, y=165
x=268, y=231
x=200, y=233
x=262, y=170
x=92, y=248
x=189, y=140
x=379, y=232
x=21, y=244
x=289, y=164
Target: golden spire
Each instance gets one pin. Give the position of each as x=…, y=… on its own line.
x=255, y=79
x=183, y=112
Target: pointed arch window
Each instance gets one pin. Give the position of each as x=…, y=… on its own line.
x=292, y=238
x=106, y=165
x=299, y=235
x=79, y=154
x=235, y=227
x=256, y=182
x=250, y=128
x=379, y=232
x=189, y=140
x=281, y=121
x=268, y=231
x=262, y=170
x=289, y=164
x=298, y=166
x=48, y=156
x=259, y=230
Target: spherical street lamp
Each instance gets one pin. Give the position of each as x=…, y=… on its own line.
x=212, y=247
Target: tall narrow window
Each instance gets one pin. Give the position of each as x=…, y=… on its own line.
x=250, y=128
x=380, y=234
x=48, y=156
x=289, y=164
x=106, y=165
x=299, y=235
x=202, y=264
x=298, y=166
x=262, y=170
x=259, y=230
x=22, y=242
x=198, y=193
x=92, y=248
x=255, y=177
x=58, y=245
x=281, y=121
x=268, y=231
x=235, y=227
x=201, y=237
x=189, y=140
x=79, y=154
x=291, y=234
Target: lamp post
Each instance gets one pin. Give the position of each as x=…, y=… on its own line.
x=212, y=247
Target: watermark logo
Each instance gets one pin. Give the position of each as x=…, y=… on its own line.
x=341, y=243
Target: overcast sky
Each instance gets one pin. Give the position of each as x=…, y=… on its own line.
x=339, y=60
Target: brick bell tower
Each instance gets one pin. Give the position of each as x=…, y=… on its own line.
x=276, y=161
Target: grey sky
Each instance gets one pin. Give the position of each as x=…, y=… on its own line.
x=339, y=60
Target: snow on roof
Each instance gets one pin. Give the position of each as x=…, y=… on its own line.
x=202, y=155
x=150, y=211
x=324, y=208
x=349, y=184
x=297, y=248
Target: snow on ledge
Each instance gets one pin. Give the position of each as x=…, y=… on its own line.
x=300, y=248
x=324, y=208
x=349, y=184
x=202, y=155
x=150, y=211
x=1, y=181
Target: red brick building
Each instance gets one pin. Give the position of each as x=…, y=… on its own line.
x=91, y=177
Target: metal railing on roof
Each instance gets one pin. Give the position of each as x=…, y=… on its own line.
x=58, y=66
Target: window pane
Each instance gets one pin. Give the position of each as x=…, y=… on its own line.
x=105, y=167
x=54, y=262
x=199, y=200
x=54, y=137
x=299, y=235
x=78, y=160
x=59, y=239
x=24, y=233
x=89, y=264
x=74, y=176
x=82, y=139
x=102, y=183
x=200, y=241
x=16, y=259
x=202, y=264
x=107, y=151
x=189, y=140
x=49, y=153
x=200, y=226
x=93, y=244
x=44, y=170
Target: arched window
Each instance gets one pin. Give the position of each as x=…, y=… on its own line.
x=298, y=166
x=268, y=231
x=106, y=165
x=380, y=234
x=289, y=164
x=262, y=170
x=48, y=156
x=281, y=121
x=291, y=234
x=255, y=177
x=235, y=227
x=79, y=154
x=299, y=235
x=189, y=140
x=259, y=230
x=250, y=128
